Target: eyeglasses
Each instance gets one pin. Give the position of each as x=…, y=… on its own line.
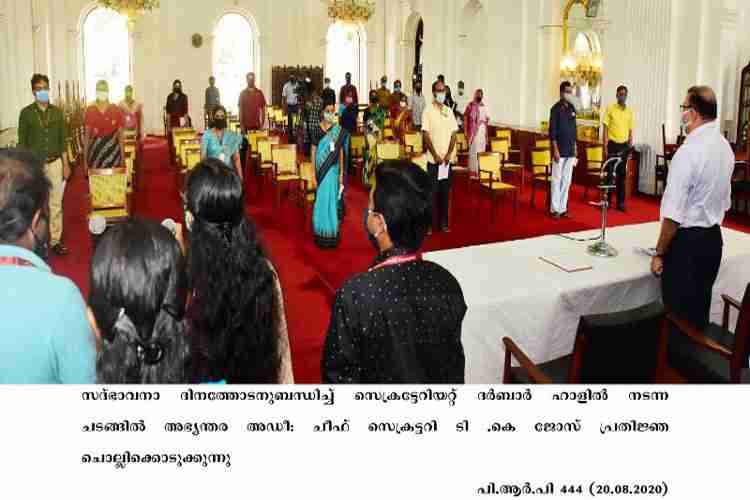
x=684, y=107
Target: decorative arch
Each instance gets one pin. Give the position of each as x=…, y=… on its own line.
x=122, y=63
x=355, y=54
x=233, y=82
x=409, y=44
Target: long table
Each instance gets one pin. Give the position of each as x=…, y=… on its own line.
x=511, y=292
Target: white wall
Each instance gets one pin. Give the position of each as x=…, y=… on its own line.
x=510, y=48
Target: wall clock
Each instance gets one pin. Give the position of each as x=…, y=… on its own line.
x=197, y=40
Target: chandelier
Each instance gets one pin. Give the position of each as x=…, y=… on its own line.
x=351, y=10
x=131, y=9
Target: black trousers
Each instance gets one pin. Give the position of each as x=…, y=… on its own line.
x=616, y=149
x=691, y=265
x=243, y=152
x=291, y=111
x=441, y=190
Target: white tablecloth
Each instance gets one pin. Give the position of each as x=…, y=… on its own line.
x=510, y=292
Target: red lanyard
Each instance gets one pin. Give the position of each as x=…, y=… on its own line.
x=15, y=261
x=399, y=259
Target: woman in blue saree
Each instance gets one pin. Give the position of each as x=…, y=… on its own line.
x=329, y=155
x=220, y=143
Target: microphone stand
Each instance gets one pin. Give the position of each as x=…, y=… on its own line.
x=601, y=248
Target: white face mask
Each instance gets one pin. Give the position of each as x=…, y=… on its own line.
x=403, y=104
x=102, y=95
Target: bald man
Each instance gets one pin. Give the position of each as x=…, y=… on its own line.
x=697, y=196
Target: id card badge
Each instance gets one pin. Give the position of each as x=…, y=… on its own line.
x=221, y=156
x=332, y=147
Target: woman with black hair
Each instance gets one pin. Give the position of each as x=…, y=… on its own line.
x=236, y=313
x=400, y=322
x=137, y=304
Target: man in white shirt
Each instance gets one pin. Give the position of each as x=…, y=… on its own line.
x=462, y=101
x=697, y=196
x=439, y=131
x=417, y=105
x=291, y=104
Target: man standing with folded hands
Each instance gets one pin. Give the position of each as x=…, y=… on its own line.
x=439, y=129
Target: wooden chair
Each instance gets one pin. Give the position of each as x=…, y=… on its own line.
x=623, y=347
x=356, y=153
x=502, y=146
x=179, y=133
x=462, y=149
x=541, y=173
x=388, y=133
x=252, y=150
x=307, y=189
x=184, y=143
x=285, y=167
x=594, y=158
x=714, y=355
x=662, y=160
x=505, y=133
x=740, y=185
x=388, y=150
x=413, y=143
x=543, y=143
x=108, y=190
x=491, y=180
x=265, y=160
x=192, y=156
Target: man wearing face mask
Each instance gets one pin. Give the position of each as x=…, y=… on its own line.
x=439, y=130
x=348, y=91
x=328, y=95
x=697, y=195
x=252, y=110
x=399, y=322
x=384, y=95
x=462, y=101
x=177, y=110
x=417, y=105
x=41, y=130
x=290, y=98
x=45, y=337
x=618, y=137
x=562, y=133
x=448, y=94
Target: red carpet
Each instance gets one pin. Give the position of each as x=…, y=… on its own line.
x=309, y=274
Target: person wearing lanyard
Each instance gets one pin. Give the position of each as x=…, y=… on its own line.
x=618, y=137
x=41, y=130
x=46, y=338
x=218, y=142
x=399, y=322
x=697, y=196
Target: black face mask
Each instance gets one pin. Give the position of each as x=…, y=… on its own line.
x=177, y=90
x=373, y=239
x=41, y=245
x=220, y=124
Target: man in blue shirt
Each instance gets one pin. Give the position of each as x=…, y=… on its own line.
x=562, y=133
x=45, y=337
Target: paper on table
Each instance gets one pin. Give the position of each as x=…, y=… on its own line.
x=443, y=172
x=569, y=262
x=651, y=252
